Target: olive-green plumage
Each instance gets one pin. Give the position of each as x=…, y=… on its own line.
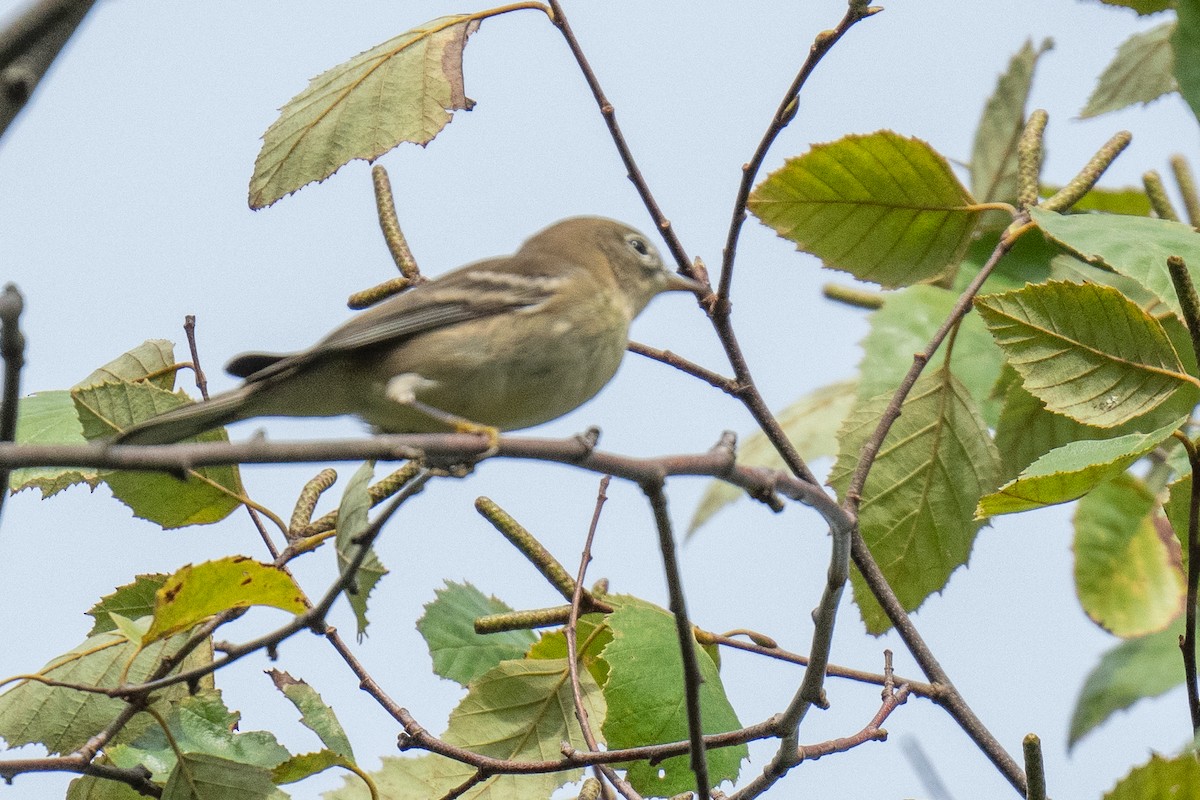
x=507, y=342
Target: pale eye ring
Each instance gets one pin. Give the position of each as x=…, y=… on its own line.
x=639, y=246
x=645, y=251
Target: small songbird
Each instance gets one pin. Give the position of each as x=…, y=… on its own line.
x=505, y=343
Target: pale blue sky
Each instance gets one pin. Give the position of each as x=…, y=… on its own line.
x=123, y=209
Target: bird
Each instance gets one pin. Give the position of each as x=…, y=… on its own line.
x=501, y=344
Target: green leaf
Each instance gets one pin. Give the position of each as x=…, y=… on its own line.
x=208, y=495
x=1030, y=260
x=1136, y=247
x=646, y=703
x=1128, y=200
x=905, y=324
x=1087, y=351
x=89, y=788
x=882, y=207
x=810, y=424
x=429, y=776
x=133, y=600
x=458, y=652
x=297, y=768
x=592, y=635
x=1178, y=511
x=994, y=154
x=63, y=719
x=199, y=776
x=1186, y=44
x=403, y=90
x=1026, y=431
x=917, y=512
x=1160, y=778
x=1141, y=71
x=153, y=361
x=1125, y=575
x=1139, y=668
x=198, y=724
x=1142, y=7
x=351, y=523
x=50, y=418
x=1071, y=471
x=195, y=593
x=314, y=714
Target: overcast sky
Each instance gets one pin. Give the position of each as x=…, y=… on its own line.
x=123, y=208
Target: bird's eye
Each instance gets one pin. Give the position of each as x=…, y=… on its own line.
x=639, y=245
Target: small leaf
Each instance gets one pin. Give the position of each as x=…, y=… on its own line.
x=1178, y=511
x=428, y=776
x=1136, y=247
x=1139, y=668
x=208, y=495
x=297, y=768
x=810, y=424
x=63, y=719
x=645, y=699
x=315, y=714
x=400, y=91
x=1186, y=44
x=1071, y=471
x=883, y=207
x=153, y=359
x=133, y=600
x=905, y=324
x=1087, y=351
x=917, y=511
x=1142, y=7
x=199, y=776
x=50, y=418
x=1160, y=779
x=1141, y=71
x=1127, y=579
x=994, y=154
x=352, y=521
x=200, y=723
x=195, y=593
x=458, y=652
x=1131, y=201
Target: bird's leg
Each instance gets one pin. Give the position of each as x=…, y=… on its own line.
x=403, y=389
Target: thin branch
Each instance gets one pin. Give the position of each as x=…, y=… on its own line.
x=12, y=351
x=692, y=679
x=559, y=18
x=29, y=45
x=713, y=379
x=856, y=11
x=1189, y=303
x=585, y=725
x=918, y=688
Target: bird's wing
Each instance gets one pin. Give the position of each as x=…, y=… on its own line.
x=467, y=294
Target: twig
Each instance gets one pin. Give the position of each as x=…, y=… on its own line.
x=692, y=679
x=1034, y=767
x=856, y=11
x=585, y=726
x=1189, y=304
x=12, y=351
x=559, y=19
x=29, y=45
x=189, y=330
x=713, y=379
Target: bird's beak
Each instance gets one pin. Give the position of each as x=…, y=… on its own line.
x=678, y=283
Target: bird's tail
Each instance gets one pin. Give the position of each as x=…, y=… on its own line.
x=190, y=420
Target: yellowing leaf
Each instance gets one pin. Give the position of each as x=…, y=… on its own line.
x=400, y=91
x=883, y=207
x=196, y=592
